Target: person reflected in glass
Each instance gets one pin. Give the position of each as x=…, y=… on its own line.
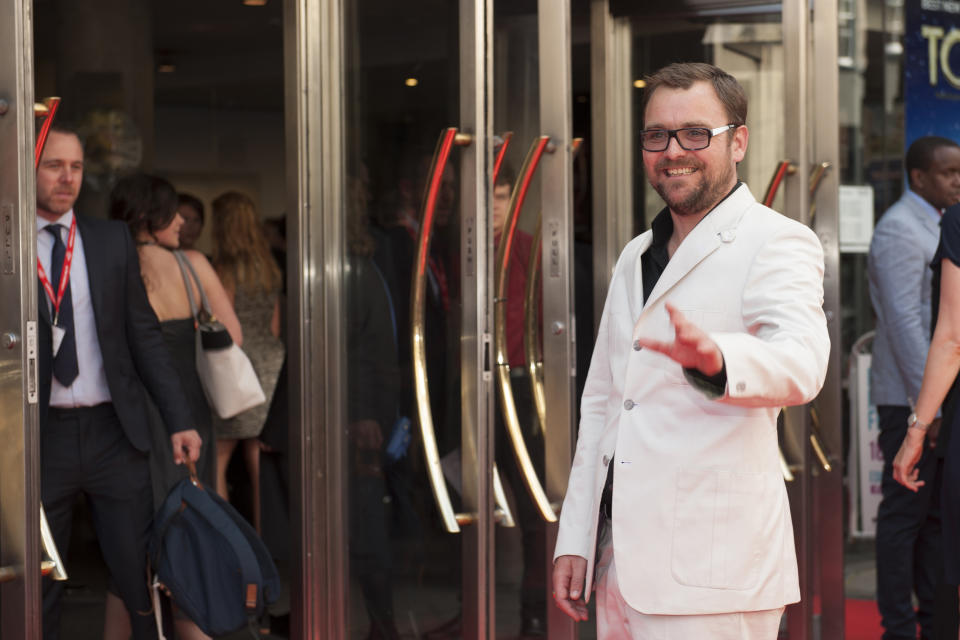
x=372, y=415
x=148, y=204
x=252, y=279
x=190, y=208
x=533, y=587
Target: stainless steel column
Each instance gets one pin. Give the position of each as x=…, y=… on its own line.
x=476, y=349
x=796, y=205
x=19, y=433
x=556, y=201
x=828, y=490
x=611, y=146
x=313, y=63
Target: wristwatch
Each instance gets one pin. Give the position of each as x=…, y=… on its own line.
x=913, y=422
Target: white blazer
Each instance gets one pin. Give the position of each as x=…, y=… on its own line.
x=701, y=518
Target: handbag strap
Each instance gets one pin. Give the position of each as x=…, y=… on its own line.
x=188, y=272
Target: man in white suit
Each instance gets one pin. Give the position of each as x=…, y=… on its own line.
x=676, y=509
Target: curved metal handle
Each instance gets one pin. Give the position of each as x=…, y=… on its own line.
x=782, y=170
x=818, y=448
x=531, y=330
x=816, y=177
x=50, y=563
x=785, y=467
x=47, y=110
x=448, y=139
x=502, y=145
x=512, y=422
x=531, y=319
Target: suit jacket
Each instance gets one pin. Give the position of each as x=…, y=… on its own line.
x=901, y=249
x=134, y=352
x=701, y=520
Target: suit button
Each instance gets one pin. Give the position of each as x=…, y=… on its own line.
x=636, y=345
x=606, y=460
x=628, y=404
x=741, y=386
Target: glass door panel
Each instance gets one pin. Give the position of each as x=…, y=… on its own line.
x=402, y=279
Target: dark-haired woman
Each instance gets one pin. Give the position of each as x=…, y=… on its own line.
x=148, y=205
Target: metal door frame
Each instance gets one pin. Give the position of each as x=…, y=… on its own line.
x=19, y=431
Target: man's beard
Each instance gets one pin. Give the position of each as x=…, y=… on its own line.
x=703, y=197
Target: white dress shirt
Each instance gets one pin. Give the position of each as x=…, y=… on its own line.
x=90, y=387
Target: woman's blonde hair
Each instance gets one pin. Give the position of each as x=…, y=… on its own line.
x=241, y=253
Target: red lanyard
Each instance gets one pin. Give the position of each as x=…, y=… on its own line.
x=55, y=300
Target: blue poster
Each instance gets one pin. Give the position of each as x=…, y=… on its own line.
x=932, y=69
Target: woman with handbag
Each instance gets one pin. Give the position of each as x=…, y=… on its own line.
x=252, y=279
x=148, y=205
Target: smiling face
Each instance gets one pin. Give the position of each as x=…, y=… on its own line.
x=59, y=175
x=692, y=182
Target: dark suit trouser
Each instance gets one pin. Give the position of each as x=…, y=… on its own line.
x=86, y=451
x=909, y=556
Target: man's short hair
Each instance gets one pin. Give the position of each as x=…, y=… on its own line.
x=63, y=126
x=682, y=75
x=921, y=152
x=507, y=176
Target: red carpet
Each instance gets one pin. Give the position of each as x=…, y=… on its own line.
x=862, y=620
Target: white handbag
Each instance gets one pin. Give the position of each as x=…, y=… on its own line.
x=228, y=379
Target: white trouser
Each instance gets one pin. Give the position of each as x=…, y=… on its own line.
x=616, y=620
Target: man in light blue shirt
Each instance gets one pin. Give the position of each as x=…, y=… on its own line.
x=904, y=242
x=100, y=352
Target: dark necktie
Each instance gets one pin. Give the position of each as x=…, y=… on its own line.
x=65, y=368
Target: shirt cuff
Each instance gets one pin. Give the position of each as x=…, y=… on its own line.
x=713, y=387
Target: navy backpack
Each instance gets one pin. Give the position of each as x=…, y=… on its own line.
x=210, y=561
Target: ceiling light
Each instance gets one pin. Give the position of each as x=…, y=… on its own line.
x=254, y=3
x=411, y=82
x=639, y=84
x=166, y=68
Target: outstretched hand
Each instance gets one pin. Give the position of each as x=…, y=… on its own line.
x=691, y=348
x=186, y=446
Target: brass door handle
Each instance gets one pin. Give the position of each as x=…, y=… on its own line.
x=787, y=168
x=785, y=467
x=816, y=177
x=531, y=317
x=501, y=145
x=818, y=447
x=50, y=564
x=782, y=170
x=448, y=139
x=46, y=110
x=507, y=404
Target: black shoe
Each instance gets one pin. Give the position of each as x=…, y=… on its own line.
x=533, y=627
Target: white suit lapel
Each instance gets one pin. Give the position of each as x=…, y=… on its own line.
x=716, y=228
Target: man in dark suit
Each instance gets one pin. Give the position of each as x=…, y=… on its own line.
x=99, y=346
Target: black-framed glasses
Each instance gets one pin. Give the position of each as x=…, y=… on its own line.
x=689, y=138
